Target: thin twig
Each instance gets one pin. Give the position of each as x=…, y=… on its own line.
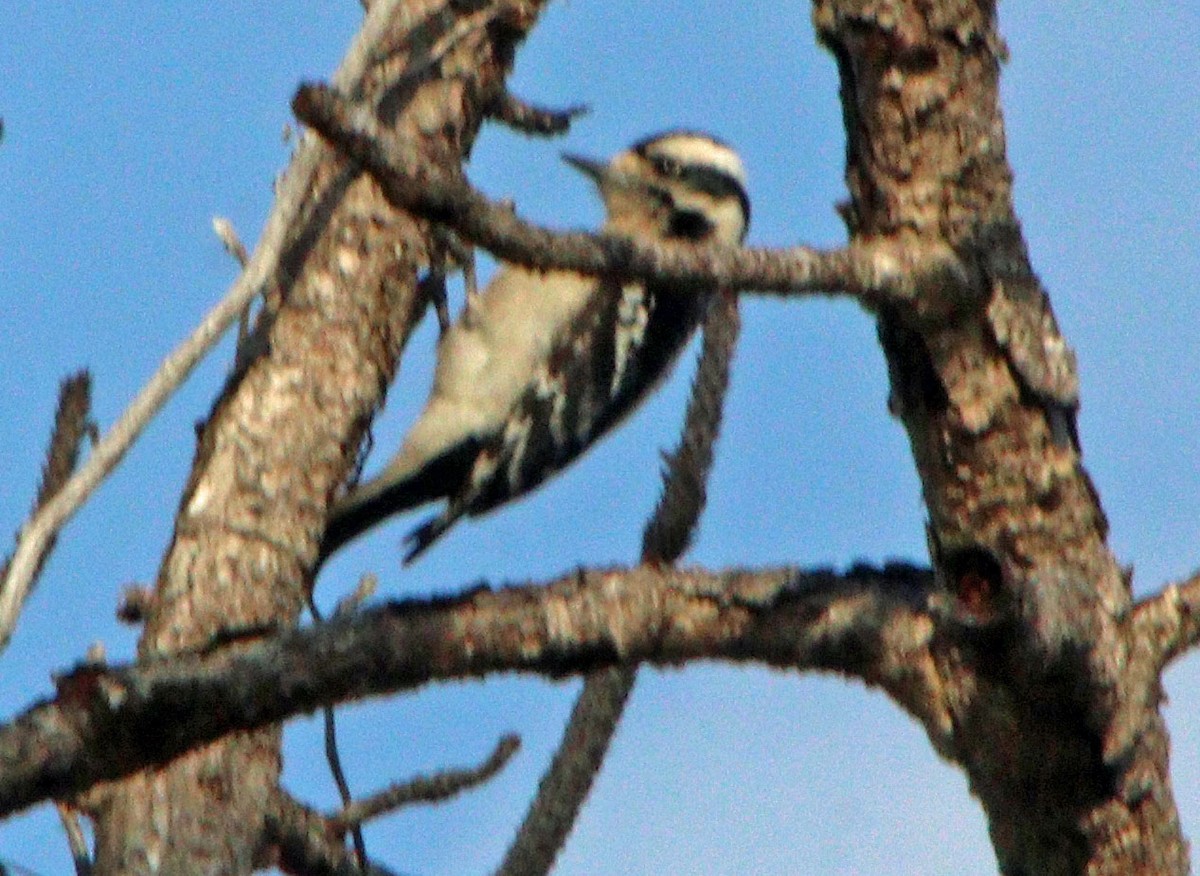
x=334, y=758
x=307, y=842
x=427, y=789
x=510, y=110
x=229, y=238
x=347, y=820
x=333, y=755
x=446, y=247
x=77, y=842
x=1167, y=625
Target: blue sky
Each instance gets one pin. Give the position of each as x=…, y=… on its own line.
x=127, y=131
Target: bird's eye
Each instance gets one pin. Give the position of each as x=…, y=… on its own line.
x=667, y=166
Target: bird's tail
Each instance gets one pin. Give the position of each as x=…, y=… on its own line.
x=423, y=537
x=391, y=493
x=362, y=508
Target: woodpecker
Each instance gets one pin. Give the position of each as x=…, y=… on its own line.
x=542, y=364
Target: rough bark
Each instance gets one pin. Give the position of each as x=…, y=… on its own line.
x=106, y=722
x=1048, y=710
x=285, y=432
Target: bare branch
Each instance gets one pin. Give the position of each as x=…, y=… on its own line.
x=345, y=606
x=568, y=780
x=685, y=480
x=308, y=844
x=427, y=789
x=510, y=110
x=108, y=722
x=1168, y=623
x=229, y=238
x=146, y=809
x=71, y=426
x=80, y=854
x=38, y=533
x=878, y=273
x=311, y=208
x=333, y=757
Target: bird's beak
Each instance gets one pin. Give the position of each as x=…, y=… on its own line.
x=597, y=171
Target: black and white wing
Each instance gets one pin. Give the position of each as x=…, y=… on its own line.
x=615, y=354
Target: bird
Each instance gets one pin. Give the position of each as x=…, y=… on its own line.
x=542, y=364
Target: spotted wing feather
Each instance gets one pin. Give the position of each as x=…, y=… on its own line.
x=617, y=351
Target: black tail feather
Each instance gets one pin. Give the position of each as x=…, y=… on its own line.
x=423, y=537
x=376, y=500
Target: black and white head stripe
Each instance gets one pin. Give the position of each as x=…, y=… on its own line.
x=700, y=162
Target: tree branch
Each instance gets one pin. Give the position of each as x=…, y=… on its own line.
x=510, y=110
x=340, y=304
x=71, y=426
x=877, y=274
x=426, y=789
x=1167, y=625
x=292, y=201
x=568, y=780
x=307, y=843
x=109, y=722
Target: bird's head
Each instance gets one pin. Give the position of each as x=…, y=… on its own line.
x=682, y=184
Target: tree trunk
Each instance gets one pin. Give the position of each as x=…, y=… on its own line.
x=285, y=432
x=1042, y=699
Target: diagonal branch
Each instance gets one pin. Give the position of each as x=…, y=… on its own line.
x=292, y=201
x=106, y=723
x=281, y=436
x=879, y=273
